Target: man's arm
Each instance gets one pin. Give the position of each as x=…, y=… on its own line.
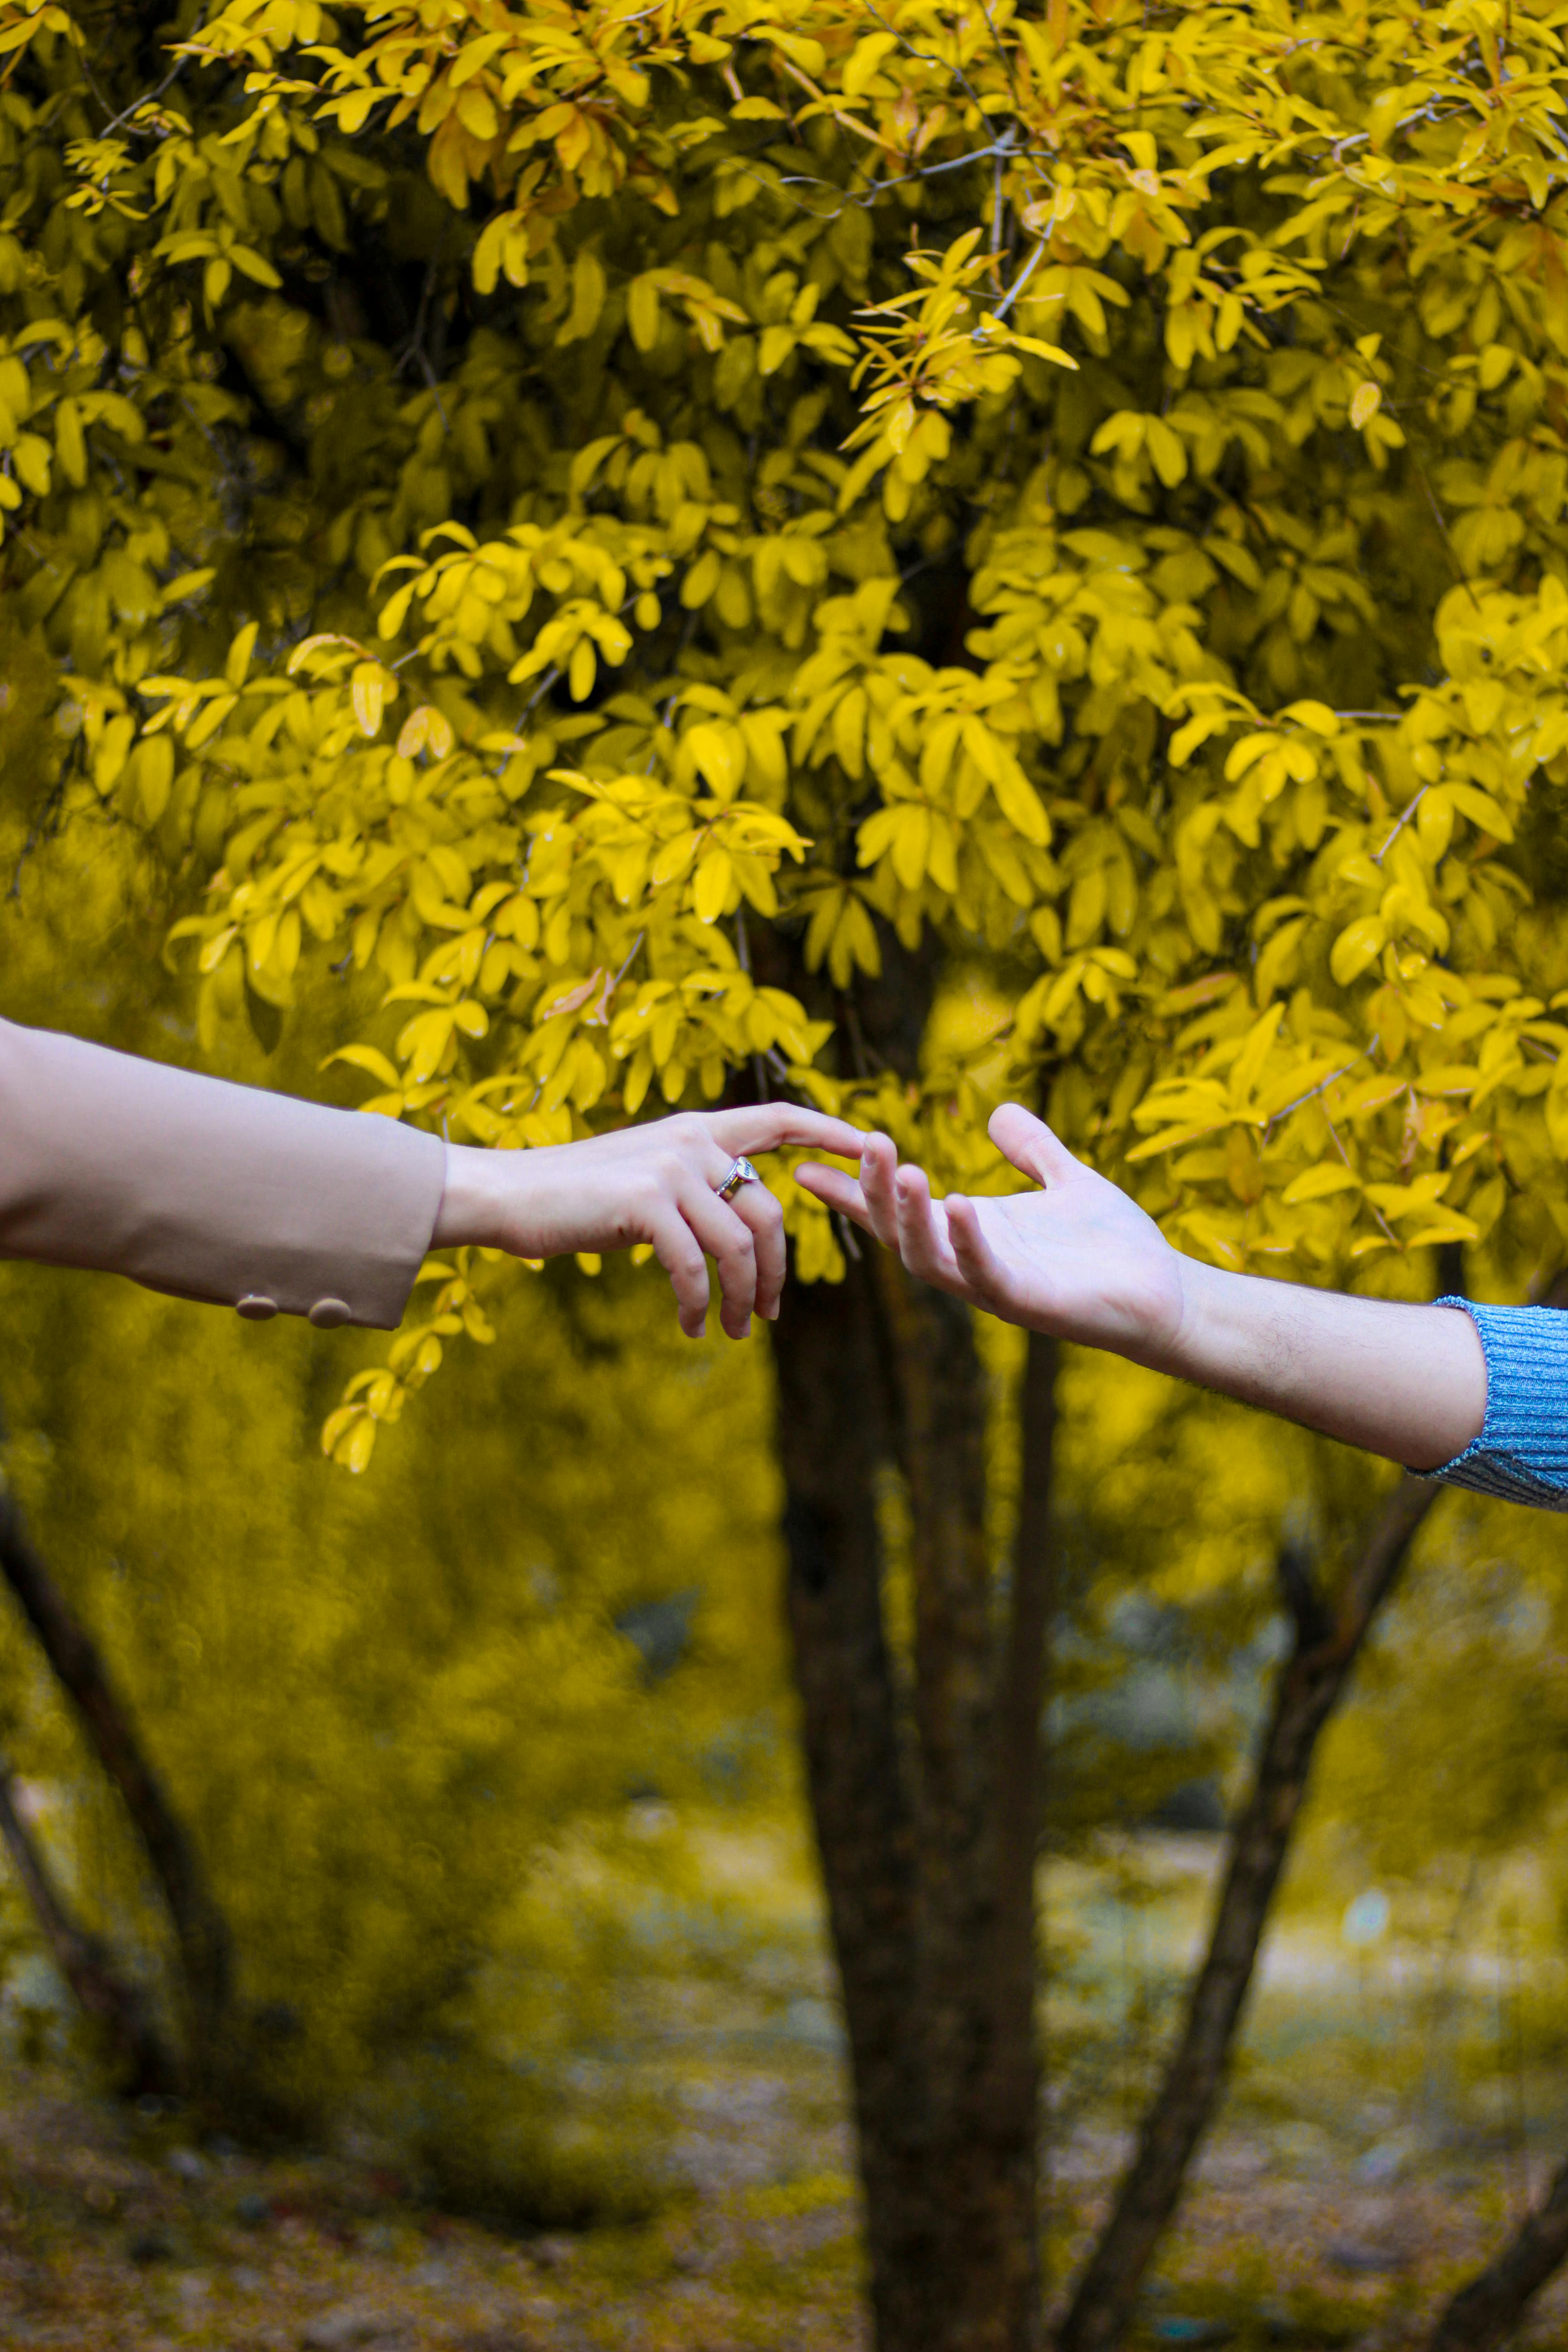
x=1080, y=1259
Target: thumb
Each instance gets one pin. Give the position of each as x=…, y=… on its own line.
x=1030, y=1144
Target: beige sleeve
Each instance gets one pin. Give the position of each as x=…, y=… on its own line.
x=212, y=1191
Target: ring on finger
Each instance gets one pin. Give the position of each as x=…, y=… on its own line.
x=741, y=1172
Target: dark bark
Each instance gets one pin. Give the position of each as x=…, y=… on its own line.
x=1328, y=1638
x=927, y=1827
x=201, y=1934
x=980, y=2158
x=832, y=1440
x=1011, y=2097
x=132, y=2051
x=1485, y=2313
x=923, y=1773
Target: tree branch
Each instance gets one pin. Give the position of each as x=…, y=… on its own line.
x=134, y=2049
x=200, y=1930
x=1324, y=1650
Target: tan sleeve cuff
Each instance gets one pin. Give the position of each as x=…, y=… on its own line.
x=209, y=1191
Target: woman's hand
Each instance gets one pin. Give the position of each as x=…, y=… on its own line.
x=1077, y=1258
x=656, y=1184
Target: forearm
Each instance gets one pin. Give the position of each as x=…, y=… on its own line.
x=1407, y=1381
x=212, y=1191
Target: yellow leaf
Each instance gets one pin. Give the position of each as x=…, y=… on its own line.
x=1365, y=402
x=367, y=1058
x=911, y=844
x=1247, y=1066
x=698, y=585
x=426, y=729
x=582, y=670
x=1357, y=946
x=718, y=756
x=1318, y=1183
x=714, y=873
x=588, y=287
x=1373, y=1093
x=1315, y=715
x=237, y=666
x=1481, y=809
x=1449, y=1227
x=1166, y=451
x=368, y=694
x=1021, y=804
x=642, y=310
x=150, y=774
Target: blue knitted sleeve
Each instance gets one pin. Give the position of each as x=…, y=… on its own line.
x=1521, y=1453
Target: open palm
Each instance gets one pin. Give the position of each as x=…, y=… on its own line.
x=1077, y=1258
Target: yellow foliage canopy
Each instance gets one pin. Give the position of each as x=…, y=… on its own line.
x=522, y=498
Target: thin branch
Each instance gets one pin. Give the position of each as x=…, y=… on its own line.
x=150, y=97
x=1400, y=822
x=1023, y=279
x=924, y=56
x=1004, y=54
x=1439, y=518
x=1313, y=1092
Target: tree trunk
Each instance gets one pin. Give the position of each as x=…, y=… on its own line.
x=132, y=2050
x=832, y=1444
x=1009, y=2096
x=201, y=1933
x=1485, y=2313
x=926, y=1828
x=1328, y=1638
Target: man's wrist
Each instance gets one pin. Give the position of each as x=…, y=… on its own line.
x=1188, y=1353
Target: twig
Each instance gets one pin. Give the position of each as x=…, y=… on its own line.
x=1312, y=1093
x=924, y=56
x=1439, y=519
x=1344, y=1155
x=1001, y=152
x=1004, y=54
x=1400, y=822
x=150, y=97
x=1022, y=280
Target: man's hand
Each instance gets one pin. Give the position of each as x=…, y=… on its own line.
x=1078, y=1258
x=656, y=1184
x=1082, y=1260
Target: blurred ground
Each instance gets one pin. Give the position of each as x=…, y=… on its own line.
x=1386, y=2126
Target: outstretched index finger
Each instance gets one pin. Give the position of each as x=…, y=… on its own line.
x=1030, y=1144
x=765, y=1127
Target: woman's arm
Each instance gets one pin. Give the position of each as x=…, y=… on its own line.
x=1080, y=1259
x=260, y=1202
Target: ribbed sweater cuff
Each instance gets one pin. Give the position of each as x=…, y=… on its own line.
x=1521, y=1453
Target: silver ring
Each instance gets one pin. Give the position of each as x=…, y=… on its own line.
x=740, y=1173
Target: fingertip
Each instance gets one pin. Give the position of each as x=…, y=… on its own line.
x=1012, y=1128
x=963, y=1224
